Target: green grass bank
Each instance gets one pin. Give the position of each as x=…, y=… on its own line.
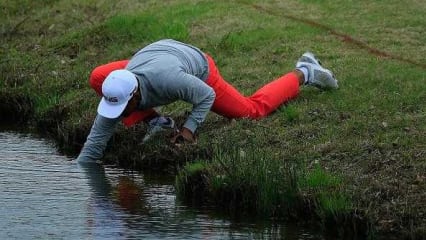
x=363, y=145
x=260, y=183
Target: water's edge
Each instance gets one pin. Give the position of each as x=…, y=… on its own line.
x=48, y=195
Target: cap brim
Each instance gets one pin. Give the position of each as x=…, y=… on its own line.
x=108, y=110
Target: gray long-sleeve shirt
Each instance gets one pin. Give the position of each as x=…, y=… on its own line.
x=167, y=71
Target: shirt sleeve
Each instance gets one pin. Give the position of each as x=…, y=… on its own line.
x=193, y=90
x=100, y=133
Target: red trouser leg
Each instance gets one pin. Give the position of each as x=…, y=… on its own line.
x=98, y=76
x=231, y=103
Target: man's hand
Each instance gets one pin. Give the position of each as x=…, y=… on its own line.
x=183, y=136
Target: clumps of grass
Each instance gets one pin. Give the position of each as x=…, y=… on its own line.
x=254, y=182
x=191, y=182
x=325, y=190
x=332, y=206
x=270, y=185
x=289, y=113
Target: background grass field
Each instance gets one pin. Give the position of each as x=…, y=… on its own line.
x=371, y=132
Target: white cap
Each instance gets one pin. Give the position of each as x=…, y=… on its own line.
x=117, y=89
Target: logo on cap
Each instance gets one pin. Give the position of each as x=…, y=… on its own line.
x=112, y=99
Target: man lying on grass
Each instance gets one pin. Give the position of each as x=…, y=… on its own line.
x=167, y=71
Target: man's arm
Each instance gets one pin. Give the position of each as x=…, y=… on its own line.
x=96, y=142
x=195, y=91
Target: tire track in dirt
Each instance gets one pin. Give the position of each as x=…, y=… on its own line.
x=344, y=37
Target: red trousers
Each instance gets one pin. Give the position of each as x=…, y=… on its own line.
x=229, y=102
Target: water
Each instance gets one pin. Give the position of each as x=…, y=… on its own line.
x=44, y=195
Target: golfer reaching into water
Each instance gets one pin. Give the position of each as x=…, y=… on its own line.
x=167, y=71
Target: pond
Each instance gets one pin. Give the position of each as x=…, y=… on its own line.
x=45, y=195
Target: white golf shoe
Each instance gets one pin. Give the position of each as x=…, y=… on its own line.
x=317, y=75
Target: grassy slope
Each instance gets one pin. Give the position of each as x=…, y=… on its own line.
x=371, y=131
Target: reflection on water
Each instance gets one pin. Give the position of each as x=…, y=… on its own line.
x=45, y=195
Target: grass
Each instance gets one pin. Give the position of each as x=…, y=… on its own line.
x=370, y=132
x=264, y=184
x=327, y=192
